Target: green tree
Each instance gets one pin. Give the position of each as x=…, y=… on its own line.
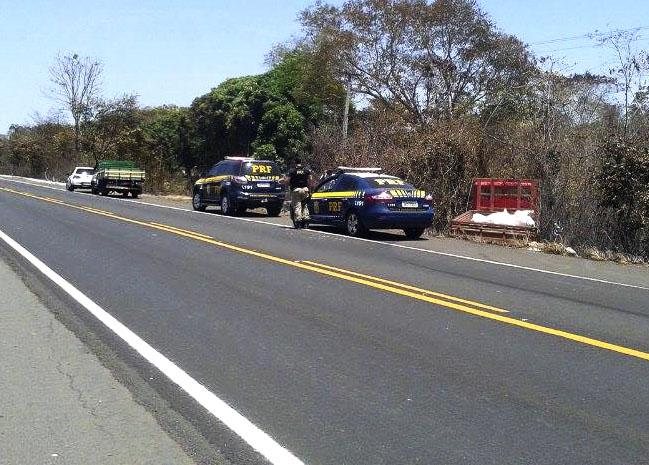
x=224, y=124
x=624, y=184
x=41, y=150
x=253, y=115
x=170, y=136
x=306, y=77
x=113, y=129
x=282, y=127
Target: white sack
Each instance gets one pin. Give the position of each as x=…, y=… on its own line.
x=524, y=218
x=504, y=218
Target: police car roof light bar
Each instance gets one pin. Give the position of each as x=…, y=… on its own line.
x=349, y=169
x=240, y=158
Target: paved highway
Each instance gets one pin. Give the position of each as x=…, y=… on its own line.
x=341, y=351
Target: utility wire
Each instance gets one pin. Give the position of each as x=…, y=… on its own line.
x=583, y=46
x=589, y=35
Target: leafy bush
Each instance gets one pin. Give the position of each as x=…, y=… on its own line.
x=624, y=185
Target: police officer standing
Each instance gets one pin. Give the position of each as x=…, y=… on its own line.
x=299, y=181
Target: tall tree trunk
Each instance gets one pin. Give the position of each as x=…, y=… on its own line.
x=77, y=137
x=346, y=113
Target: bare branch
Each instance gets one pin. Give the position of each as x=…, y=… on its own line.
x=76, y=84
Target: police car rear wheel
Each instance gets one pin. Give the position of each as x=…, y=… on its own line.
x=197, y=203
x=226, y=206
x=414, y=233
x=353, y=225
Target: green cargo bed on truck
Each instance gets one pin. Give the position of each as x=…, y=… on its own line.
x=119, y=170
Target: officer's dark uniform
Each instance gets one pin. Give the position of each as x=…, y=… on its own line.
x=299, y=184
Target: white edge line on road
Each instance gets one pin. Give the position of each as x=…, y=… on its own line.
x=250, y=433
x=39, y=182
x=390, y=244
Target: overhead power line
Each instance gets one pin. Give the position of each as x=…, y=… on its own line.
x=640, y=39
x=589, y=35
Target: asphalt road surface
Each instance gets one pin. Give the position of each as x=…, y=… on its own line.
x=341, y=351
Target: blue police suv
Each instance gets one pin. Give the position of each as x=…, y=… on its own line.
x=359, y=199
x=239, y=183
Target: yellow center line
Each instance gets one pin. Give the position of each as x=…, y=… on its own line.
x=182, y=230
x=359, y=280
x=100, y=211
x=406, y=286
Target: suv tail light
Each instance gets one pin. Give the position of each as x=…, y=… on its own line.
x=240, y=179
x=383, y=197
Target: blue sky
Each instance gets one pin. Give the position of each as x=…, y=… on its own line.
x=172, y=51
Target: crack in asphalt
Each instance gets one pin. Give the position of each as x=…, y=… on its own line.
x=80, y=397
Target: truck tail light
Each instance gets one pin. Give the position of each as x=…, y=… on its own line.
x=383, y=197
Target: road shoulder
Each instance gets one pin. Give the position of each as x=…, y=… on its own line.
x=58, y=404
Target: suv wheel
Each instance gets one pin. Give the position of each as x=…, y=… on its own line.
x=353, y=225
x=226, y=206
x=197, y=202
x=69, y=186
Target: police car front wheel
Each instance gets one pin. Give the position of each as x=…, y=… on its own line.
x=197, y=202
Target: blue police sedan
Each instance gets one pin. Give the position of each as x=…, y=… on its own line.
x=359, y=199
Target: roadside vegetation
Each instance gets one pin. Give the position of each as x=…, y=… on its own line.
x=431, y=91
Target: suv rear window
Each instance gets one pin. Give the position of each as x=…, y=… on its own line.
x=260, y=168
x=85, y=171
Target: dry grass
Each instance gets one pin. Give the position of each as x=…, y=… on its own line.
x=592, y=253
x=558, y=248
x=173, y=198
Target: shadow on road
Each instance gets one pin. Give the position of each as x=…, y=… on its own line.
x=389, y=235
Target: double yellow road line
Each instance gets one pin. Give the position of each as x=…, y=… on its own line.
x=407, y=290
x=425, y=295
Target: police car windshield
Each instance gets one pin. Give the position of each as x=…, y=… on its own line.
x=259, y=169
x=387, y=182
